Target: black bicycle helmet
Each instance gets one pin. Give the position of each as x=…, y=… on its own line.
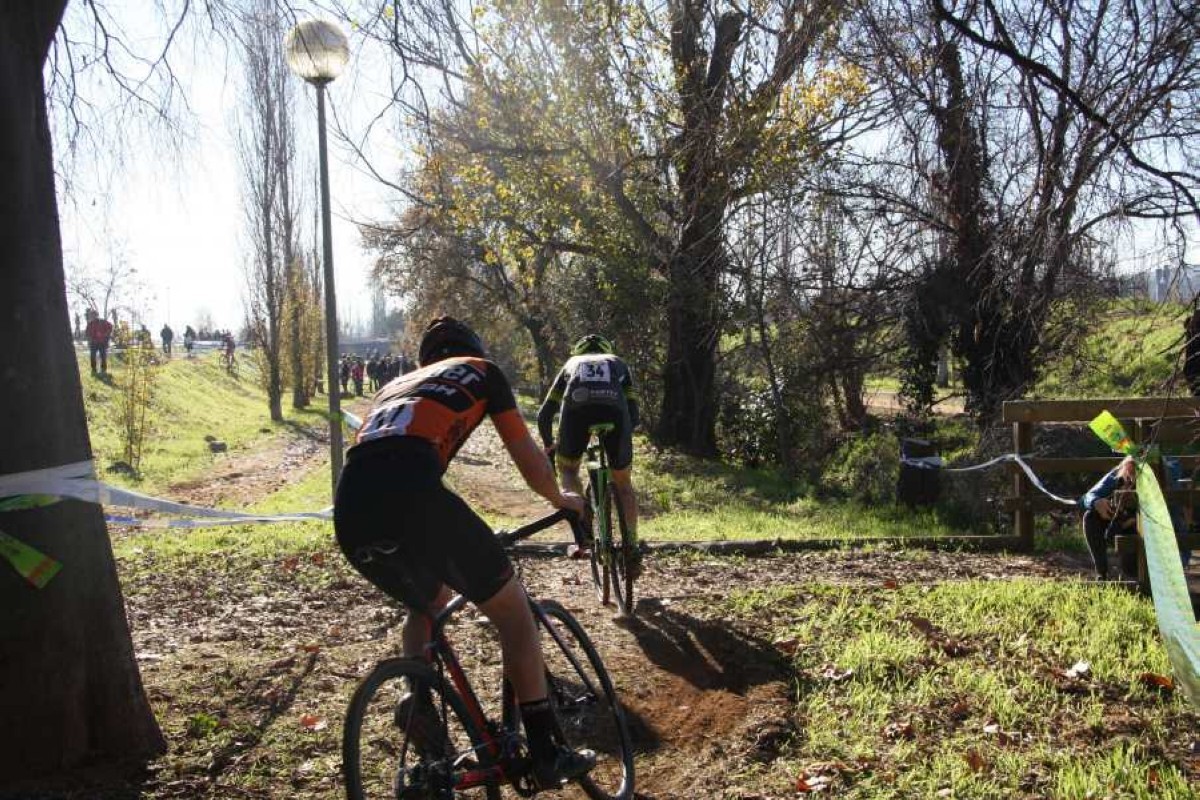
x=592, y=343
x=446, y=336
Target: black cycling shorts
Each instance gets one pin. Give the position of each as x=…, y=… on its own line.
x=574, y=430
x=407, y=533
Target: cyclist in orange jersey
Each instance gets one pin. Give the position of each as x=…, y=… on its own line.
x=407, y=533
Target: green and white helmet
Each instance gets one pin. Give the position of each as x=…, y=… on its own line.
x=592, y=343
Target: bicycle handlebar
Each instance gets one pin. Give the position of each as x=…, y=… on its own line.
x=508, y=538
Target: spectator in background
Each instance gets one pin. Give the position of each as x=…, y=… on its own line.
x=1110, y=509
x=168, y=336
x=189, y=340
x=373, y=373
x=356, y=373
x=98, y=333
x=344, y=371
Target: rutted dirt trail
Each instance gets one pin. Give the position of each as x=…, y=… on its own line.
x=250, y=663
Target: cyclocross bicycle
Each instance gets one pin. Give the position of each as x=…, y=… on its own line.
x=445, y=745
x=611, y=560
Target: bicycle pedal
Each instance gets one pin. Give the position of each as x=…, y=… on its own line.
x=577, y=553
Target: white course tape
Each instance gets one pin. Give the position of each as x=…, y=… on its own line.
x=212, y=522
x=936, y=462
x=76, y=481
x=35, y=481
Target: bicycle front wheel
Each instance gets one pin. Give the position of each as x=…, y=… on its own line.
x=408, y=735
x=600, y=553
x=586, y=706
x=619, y=555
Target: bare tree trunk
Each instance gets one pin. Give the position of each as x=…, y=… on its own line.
x=72, y=693
x=264, y=154
x=547, y=364
x=689, y=405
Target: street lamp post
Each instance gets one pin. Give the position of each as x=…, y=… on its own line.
x=317, y=51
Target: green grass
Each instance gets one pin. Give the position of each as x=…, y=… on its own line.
x=962, y=686
x=192, y=399
x=1132, y=350
x=266, y=540
x=691, y=499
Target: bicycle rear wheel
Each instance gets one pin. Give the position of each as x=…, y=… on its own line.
x=430, y=749
x=586, y=706
x=599, y=554
x=619, y=554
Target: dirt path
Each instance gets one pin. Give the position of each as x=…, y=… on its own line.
x=249, y=663
x=239, y=480
x=237, y=656
x=484, y=474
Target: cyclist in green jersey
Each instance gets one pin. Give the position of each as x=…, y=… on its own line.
x=594, y=387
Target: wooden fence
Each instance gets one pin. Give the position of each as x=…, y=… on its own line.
x=1169, y=422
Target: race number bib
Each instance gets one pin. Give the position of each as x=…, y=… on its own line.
x=389, y=420
x=595, y=372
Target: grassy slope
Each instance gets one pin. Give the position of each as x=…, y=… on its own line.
x=912, y=691
x=1133, y=349
x=192, y=399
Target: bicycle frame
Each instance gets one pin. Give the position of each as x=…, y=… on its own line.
x=598, y=478
x=440, y=653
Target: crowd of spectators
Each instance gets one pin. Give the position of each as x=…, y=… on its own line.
x=371, y=373
x=357, y=374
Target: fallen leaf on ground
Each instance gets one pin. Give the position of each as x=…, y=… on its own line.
x=832, y=673
x=812, y=783
x=899, y=730
x=312, y=722
x=1155, y=681
x=788, y=646
x=975, y=761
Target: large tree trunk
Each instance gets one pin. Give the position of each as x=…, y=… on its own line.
x=689, y=407
x=72, y=693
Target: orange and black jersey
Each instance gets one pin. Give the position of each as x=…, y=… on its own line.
x=443, y=403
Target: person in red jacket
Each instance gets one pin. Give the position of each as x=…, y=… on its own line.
x=98, y=333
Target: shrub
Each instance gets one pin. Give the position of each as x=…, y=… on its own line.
x=865, y=467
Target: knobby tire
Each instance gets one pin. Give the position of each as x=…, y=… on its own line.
x=586, y=708
x=378, y=755
x=597, y=556
x=619, y=554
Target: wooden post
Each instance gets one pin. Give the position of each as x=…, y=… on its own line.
x=1023, y=516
